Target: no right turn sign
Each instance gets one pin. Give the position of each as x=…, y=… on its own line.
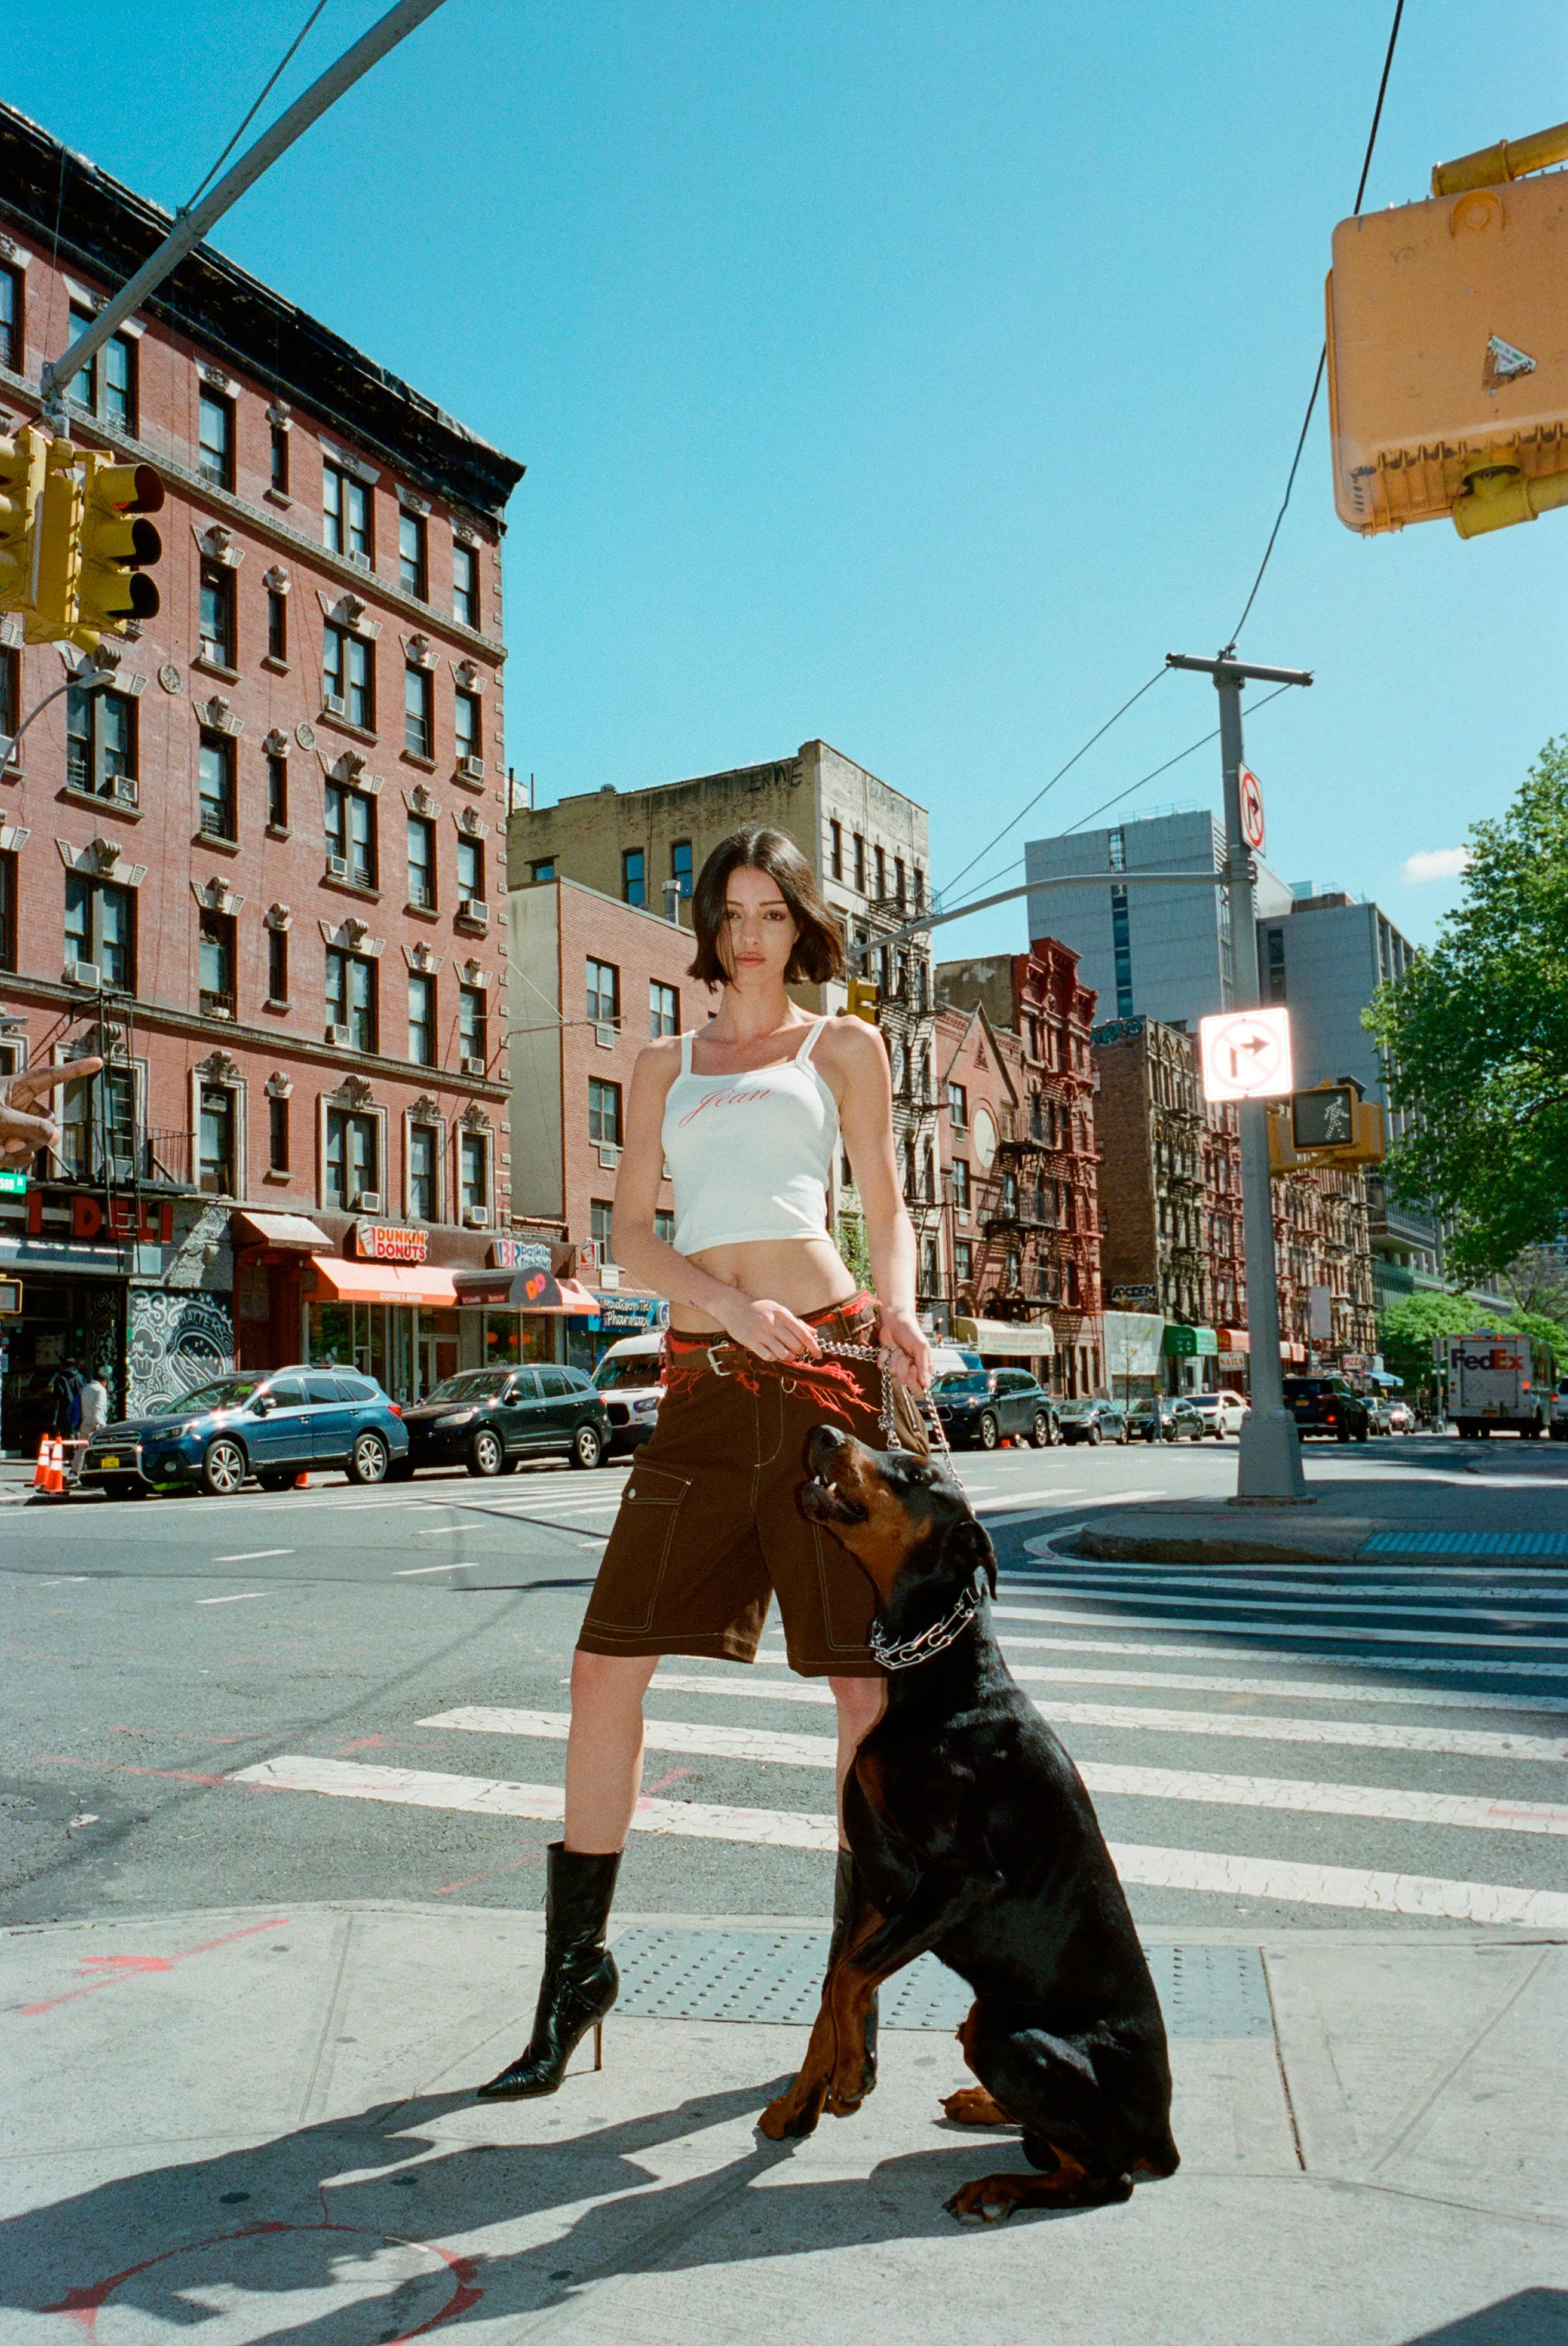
x=1251, y=808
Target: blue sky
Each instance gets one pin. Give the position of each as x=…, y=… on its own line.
x=912, y=375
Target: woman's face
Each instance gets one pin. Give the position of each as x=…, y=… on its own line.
x=759, y=930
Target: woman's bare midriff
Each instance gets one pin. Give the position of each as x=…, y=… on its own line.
x=803, y=1274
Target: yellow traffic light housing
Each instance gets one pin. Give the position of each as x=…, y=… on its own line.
x=51, y=616
x=117, y=546
x=22, y=466
x=1448, y=369
x=864, y=997
x=1304, y=1130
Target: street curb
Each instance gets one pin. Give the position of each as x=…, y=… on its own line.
x=1094, y=1547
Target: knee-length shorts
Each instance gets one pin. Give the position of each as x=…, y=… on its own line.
x=709, y=1527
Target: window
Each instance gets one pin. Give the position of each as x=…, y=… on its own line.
x=350, y=834
x=8, y=911
x=473, y=1029
x=836, y=850
x=963, y=1261
x=345, y=514
x=100, y=744
x=216, y=434
x=10, y=691
x=107, y=384
x=418, y=712
x=664, y=1009
x=634, y=881
x=470, y=868
x=919, y=889
x=347, y=675
x=546, y=870
x=473, y=1169
x=421, y=862
x=98, y=1125
x=1275, y=945
x=930, y=1281
x=352, y=1156
x=277, y=1132
x=421, y=1163
x=276, y=624
x=277, y=793
x=218, y=1141
x=1118, y=845
x=860, y=864
x=899, y=881
x=601, y=1217
x=215, y=954
x=961, y=1184
x=11, y=353
x=664, y=1225
x=1121, y=951
x=280, y=459
x=277, y=965
x=680, y=864
x=464, y=584
x=466, y=727
x=881, y=872
x=421, y=1019
x=603, y=994
x=411, y=569
x=217, y=614
x=214, y=784
x=351, y=999
x=604, y=1114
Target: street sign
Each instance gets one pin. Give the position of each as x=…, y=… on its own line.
x=12, y=1185
x=1246, y=1054
x=10, y=1297
x=1251, y=790
x=1324, y=1119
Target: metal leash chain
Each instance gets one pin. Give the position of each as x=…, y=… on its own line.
x=887, y=1416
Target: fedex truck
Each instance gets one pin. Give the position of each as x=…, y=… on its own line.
x=1492, y=1385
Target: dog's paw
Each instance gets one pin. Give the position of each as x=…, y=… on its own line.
x=972, y=2106
x=989, y=2199
x=792, y=2116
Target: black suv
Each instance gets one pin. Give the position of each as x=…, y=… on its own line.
x=980, y=1405
x=490, y=1420
x=1166, y=1417
x=1327, y=1405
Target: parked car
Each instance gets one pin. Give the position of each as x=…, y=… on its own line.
x=1559, y=1411
x=1161, y=1418
x=978, y=1406
x=631, y=1379
x=1222, y=1412
x=1402, y=1418
x=273, y=1423
x=1092, y=1422
x=490, y=1420
x=1379, y=1416
x=1327, y=1405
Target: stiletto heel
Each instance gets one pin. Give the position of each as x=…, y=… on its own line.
x=598, y=2044
x=580, y=1980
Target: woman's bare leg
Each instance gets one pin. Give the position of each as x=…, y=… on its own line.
x=604, y=1750
x=861, y=1702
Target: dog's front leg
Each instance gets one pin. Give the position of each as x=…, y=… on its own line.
x=878, y=1951
x=938, y=1903
x=826, y=2058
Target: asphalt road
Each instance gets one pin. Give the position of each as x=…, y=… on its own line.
x=387, y=1669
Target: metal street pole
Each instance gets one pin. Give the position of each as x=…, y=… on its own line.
x=191, y=226
x=1269, y=1470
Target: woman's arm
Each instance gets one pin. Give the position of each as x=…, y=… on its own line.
x=866, y=1122
x=761, y=1325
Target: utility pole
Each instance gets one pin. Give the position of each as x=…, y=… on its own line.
x=1270, y=1469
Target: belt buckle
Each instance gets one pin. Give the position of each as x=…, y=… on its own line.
x=714, y=1364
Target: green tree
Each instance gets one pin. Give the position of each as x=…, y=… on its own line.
x=1475, y=1038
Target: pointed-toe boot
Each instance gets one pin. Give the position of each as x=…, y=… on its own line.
x=580, y=1977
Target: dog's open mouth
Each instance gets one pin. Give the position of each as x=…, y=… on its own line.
x=825, y=1504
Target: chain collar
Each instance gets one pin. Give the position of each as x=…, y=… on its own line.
x=936, y=1639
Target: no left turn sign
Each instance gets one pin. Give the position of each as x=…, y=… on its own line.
x=1251, y=790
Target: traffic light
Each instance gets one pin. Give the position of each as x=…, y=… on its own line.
x=112, y=585
x=22, y=463
x=51, y=616
x=1448, y=369
x=864, y=997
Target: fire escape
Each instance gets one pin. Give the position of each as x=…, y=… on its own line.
x=907, y=1019
x=1054, y=1252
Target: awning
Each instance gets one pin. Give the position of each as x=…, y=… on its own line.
x=1233, y=1340
x=1190, y=1343
x=422, y=1283
x=281, y=1230
x=1018, y=1339
x=524, y=1291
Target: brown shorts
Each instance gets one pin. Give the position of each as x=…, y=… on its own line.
x=708, y=1526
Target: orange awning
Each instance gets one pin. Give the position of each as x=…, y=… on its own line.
x=381, y=1282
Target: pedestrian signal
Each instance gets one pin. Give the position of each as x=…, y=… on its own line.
x=864, y=997
x=1331, y=1124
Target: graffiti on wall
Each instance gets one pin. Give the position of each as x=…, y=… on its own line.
x=174, y=1342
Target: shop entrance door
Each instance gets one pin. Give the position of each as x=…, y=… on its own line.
x=428, y=1374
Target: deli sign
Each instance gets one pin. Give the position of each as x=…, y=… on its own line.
x=389, y=1242
x=149, y=1221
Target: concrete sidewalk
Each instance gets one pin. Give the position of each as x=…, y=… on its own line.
x=262, y=2122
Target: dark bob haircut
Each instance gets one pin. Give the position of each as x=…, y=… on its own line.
x=819, y=952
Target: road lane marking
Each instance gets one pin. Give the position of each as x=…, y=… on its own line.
x=422, y=1571
x=1407, y=1664
x=250, y=1596
x=1047, y=1498
x=1477, y=1812
x=1349, y=1602
x=254, y=1555
x=1493, y=1904
x=1349, y=1593
x=1229, y=1625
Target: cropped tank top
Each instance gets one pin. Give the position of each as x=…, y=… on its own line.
x=750, y=1156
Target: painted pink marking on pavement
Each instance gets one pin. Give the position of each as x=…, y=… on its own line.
x=126, y=1967
x=674, y=1776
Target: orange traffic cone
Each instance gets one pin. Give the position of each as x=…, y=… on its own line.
x=41, y=1471
x=57, y=1468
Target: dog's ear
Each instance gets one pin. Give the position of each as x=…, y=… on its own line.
x=966, y=1549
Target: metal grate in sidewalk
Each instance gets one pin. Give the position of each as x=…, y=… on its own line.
x=775, y=1976
x=1465, y=1544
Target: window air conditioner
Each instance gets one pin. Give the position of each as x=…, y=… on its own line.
x=360, y=561
x=335, y=704
x=609, y=1160
x=473, y=1064
x=369, y=1201
x=472, y=767
x=476, y=1218
x=339, y=1035
x=605, y=1035
x=85, y=973
x=126, y=789
x=337, y=867
x=475, y=910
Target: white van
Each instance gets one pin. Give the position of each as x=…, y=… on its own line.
x=630, y=1379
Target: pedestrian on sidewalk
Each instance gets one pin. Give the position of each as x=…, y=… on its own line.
x=65, y=1399
x=95, y=1403
x=770, y=1334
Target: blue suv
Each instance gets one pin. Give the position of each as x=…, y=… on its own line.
x=274, y=1424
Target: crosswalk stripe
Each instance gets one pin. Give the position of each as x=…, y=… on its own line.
x=1349, y=1601
x=1478, y=1811
x=1231, y=1624
x=1363, y=1735
x=1349, y=1594
x=1406, y=1664
x=1206, y=1870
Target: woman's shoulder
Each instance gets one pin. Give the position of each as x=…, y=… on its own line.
x=850, y=1048
x=657, y=1064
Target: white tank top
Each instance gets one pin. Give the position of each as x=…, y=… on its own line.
x=750, y=1156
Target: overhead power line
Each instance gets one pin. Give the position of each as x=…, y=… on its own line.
x=266, y=87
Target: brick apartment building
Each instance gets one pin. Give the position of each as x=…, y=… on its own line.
x=1020, y=1147
x=258, y=873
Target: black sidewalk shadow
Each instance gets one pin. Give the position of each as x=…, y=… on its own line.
x=271, y=2218
x=1536, y=2317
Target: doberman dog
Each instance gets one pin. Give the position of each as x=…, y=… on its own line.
x=972, y=1836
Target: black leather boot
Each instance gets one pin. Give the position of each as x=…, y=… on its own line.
x=580, y=1978
x=844, y=1903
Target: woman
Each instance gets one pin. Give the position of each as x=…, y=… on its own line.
x=748, y=1114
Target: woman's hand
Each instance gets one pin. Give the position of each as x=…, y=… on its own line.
x=765, y=1328
x=908, y=1349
